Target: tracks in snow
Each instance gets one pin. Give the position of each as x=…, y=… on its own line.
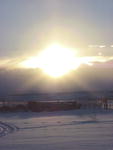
x=6, y=128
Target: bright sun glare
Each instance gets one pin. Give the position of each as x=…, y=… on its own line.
x=55, y=61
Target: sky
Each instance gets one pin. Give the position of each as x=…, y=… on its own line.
x=29, y=26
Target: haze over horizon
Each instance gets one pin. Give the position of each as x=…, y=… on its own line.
x=28, y=27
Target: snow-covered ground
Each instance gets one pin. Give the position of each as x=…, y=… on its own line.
x=65, y=130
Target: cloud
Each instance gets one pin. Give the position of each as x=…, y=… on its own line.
x=99, y=60
x=108, y=64
x=10, y=63
x=32, y=80
x=97, y=46
x=95, y=73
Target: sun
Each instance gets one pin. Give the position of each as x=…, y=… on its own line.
x=56, y=61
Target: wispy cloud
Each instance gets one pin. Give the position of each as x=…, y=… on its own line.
x=100, y=46
x=96, y=46
x=10, y=63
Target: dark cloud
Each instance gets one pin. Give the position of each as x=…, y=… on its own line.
x=33, y=80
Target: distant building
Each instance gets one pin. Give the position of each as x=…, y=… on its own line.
x=105, y=103
x=110, y=104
